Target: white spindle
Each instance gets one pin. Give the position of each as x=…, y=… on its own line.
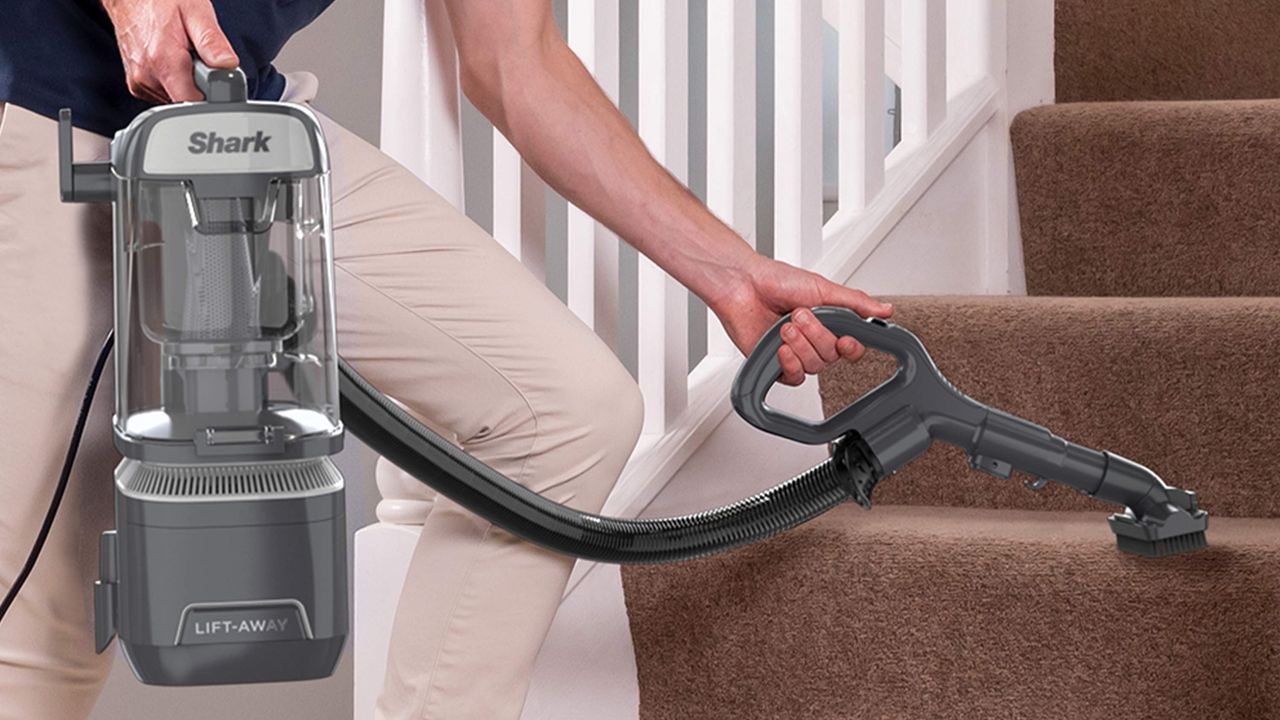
x=862, y=102
x=592, y=248
x=731, y=129
x=924, y=68
x=421, y=99
x=519, y=207
x=798, y=128
x=662, y=362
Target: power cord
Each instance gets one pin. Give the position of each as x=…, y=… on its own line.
x=67, y=464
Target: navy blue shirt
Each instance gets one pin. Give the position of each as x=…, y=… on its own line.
x=63, y=53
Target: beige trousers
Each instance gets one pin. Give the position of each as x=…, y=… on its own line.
x=430, y=309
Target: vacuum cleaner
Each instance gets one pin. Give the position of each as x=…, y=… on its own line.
x=227, y=561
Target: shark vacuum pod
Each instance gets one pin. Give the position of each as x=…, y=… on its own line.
x=227, y=563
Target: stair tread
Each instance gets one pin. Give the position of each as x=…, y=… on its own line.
x=1150, y=198
x=961, y=613
x=1185, y=386
x=1157, y=50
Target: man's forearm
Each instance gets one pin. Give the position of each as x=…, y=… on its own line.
x=550, y=108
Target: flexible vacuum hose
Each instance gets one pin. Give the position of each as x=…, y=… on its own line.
x=419, y=451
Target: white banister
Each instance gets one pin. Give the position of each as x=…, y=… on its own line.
x=592, y=250
x=862, y=102
x=798, y=129
x=731, y=129
x=421, y=97
x=519, y=207
x=924, y=68
x=662, y=363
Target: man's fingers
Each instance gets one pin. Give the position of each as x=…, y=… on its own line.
x=850, y=349
x=858, y=301
x=800, y=345
x=176, y=76
x=822, y=340
x=207, y=37
x=792, y=369
x=146, y=89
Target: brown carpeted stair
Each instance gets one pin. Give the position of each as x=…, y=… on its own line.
x=1151, y=235
x=1150, y=198
x=1166, y=49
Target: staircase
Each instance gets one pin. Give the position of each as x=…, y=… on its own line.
x=1150, y=211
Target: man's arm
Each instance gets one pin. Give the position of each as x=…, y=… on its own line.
x=518, y=71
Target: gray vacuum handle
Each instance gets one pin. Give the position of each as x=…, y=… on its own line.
x=220, y=85
x=762, y=369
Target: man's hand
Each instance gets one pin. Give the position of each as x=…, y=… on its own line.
x=156, y=38
x=775, y=289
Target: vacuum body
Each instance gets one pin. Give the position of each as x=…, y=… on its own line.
x=228, y=560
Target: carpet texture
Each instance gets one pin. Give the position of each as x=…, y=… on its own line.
x=1150, y=199
x=1166, y=49
x=1185, y=386
x=903, y=613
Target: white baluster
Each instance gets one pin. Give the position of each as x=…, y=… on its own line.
x=798, y=132
x=862, y=103
x=662, y=362
x=519, y=207
x=592, y=249
x=924, y=68
x=421, y=99
x=731, y=129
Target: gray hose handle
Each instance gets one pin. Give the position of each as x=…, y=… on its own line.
x=916, y=384
x=220, y=85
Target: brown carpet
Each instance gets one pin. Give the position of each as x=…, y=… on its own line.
x=1166, y=49
x=909, y=613
x=1186, y=386
x=1150, y=199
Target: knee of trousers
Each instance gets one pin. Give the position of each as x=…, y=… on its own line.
x=590, y=422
